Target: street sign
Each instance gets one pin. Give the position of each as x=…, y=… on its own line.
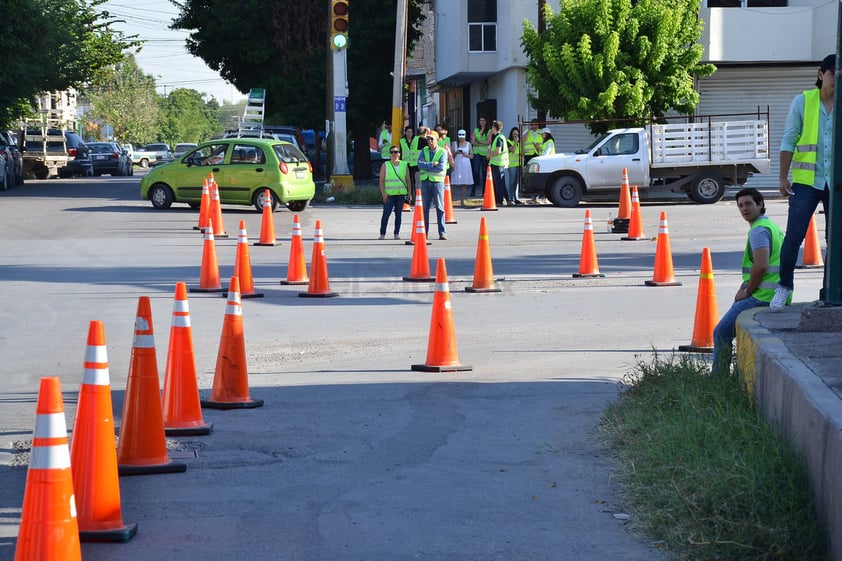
x=339, y=103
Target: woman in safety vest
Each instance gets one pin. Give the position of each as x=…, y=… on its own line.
x=394, y=176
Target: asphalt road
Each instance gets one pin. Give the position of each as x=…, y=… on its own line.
x=354, y=456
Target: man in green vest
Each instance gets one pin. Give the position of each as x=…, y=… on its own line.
x=409, y=154
x=806, y=146
x=761, y=274
x=498, y=158
x=532, y=141
x=432, y=167
x=384, y=141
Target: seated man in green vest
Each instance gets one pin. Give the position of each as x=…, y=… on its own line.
x=761, y=274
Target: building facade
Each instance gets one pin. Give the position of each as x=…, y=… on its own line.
x=766, y=52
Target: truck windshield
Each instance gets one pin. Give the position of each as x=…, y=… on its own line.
x=593, y=145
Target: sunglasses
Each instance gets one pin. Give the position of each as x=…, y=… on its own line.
x=394, y=151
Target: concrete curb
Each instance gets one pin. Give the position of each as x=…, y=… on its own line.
x=794, y=398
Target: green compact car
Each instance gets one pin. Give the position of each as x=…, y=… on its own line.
x=243, y=168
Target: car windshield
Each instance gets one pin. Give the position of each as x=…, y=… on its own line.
x=101, y=148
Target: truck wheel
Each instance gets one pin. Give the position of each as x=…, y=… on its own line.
x=42, y=173
x=144, y=163
x=161, y=196
x=708, y=187
x=566, y=191
x=258, y=202
x=297, y=206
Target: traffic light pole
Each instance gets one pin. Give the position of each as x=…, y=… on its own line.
x=832, y=291
x=340, y=176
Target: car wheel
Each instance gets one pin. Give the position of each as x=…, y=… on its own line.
x=161, y=196
x=566, y=191
x=144, y=163
x=708, y=187
x=297, y=206
x=258, y=200
x=375, y=169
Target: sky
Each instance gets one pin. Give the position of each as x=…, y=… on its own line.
x=164, y=54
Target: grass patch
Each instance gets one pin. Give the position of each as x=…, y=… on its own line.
x=700, y=470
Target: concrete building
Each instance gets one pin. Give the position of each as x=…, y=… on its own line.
x=766, y=52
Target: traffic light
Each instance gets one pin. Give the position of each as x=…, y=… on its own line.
x=339, y=24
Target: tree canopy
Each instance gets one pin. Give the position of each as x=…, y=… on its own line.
x=615, y=59
x=281, y=45
x=55, y=44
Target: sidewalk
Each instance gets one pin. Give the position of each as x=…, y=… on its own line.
x=793, y=359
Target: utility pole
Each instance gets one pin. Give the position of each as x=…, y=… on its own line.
x=338, y=68
x=401, y=24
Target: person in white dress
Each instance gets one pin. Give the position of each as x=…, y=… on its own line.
x=462, y=174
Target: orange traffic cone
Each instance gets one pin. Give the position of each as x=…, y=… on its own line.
x=442, y=355
x=418, y=214
x=319, y=286
x=142, y=448
x=419, y=271
x=92, y=454
x=215, y=211
x=48, y=526
x=297, y=268
x=203, y=206
x=588, y=263
x=663, y=274
x=489, y=202
x=449, y=217
x=635, y=221
x=209, y=274
x=230, y=381
x=180, y=398
x=620, y=224
x=483, y=272
x=267, y=224
x=242, y=265
x=812, y=258
x=707, y=311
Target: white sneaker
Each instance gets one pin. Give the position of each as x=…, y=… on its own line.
x=779, y=299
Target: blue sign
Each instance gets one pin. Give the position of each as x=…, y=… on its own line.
x=339, y=103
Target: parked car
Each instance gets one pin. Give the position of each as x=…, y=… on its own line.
x=17, y=154
x=9, y=153
x=243, y=168
x=111, y=158
x=78, y=157
x=162, y=153
x=183, y=148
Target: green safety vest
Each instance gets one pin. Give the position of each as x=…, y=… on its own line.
x=501, y=159
x=410, y=152
x=514, y=153
x=530, y=138
x=481, y=150
x=395, y=182
x=766, y=291
x=548, y=144
x=435, y=177
x=804, y=158
x=385, y=137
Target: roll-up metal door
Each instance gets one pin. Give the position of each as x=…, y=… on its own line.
x=744, y=89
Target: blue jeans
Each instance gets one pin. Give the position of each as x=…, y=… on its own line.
x=802, y=205
x=726, y=330
x=393, y=204
x=479, y=165
x=432, y=193
x=512, y=182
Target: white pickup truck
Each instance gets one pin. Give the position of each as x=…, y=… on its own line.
x=698, y=158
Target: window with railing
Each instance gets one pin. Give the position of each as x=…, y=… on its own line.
x=482, y=25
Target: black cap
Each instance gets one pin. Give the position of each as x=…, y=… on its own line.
x=829, y=63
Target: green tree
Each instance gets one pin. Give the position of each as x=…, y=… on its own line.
x=281, y=45
x=55, y=44
x=187, y=117
x=615, y=59
x=125, y=98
